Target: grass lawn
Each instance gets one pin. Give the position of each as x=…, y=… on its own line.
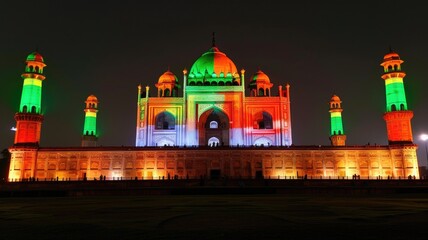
x=399, y=216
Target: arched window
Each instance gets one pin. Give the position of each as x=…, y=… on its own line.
x=263, y=142
x=267, y=92
x=389, y=68
x=264, y=120
x=213, y=124
x=31, y=68
x=160, y=92
x=221, y=83
x=24, y=109
x=37, y=69
x=213, y=83
x=213, y=142
x=192, y=83
x=87, y=133
x=261, y=92
x=402, y=107
x=396, y=67
x=33, y=109
x=340, y=132
x=165, y=120
x=334, y=132
x=167, y=93
x=393, y=107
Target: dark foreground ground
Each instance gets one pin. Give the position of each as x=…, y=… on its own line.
x=263, y=215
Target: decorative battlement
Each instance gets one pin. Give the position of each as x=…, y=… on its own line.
x=29, y=117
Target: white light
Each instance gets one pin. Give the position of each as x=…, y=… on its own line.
x=13, y=129
x=424, y=137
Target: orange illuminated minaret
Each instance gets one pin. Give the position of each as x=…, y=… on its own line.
x=29, y=118
x=397, y=115
x=90, y=138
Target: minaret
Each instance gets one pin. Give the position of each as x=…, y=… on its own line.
x=89, y=138
x=29, y=118
x=337, y=136
x=397, y=115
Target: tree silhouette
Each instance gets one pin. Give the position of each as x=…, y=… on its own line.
x=4, y=164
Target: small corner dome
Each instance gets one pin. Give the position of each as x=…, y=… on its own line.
x=260, y=76
x=35, y=56
x=391, y=55
x=168, y=77
x=335, y=98
x=92, y=98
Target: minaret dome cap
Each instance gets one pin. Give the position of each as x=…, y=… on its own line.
x=92, y=98
x=35, y=56
x=335, y=98
x=391, y=56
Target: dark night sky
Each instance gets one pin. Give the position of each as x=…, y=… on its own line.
x=107, y=48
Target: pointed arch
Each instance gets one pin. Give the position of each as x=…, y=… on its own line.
x=206, y=128
x=165, y=120
x=167, y=93
x=263, y=120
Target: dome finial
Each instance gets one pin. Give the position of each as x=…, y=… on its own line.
x=213, y=39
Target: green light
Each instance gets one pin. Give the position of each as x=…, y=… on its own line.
x=395, y=95
x=31, y=96
x=90, y=127
x=336, y=124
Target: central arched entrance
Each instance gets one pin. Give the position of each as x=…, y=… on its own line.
x=213, y=128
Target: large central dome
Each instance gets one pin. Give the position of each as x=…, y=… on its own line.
x=214, y=68
x=213, y=62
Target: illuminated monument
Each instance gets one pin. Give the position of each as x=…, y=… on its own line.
x=213, y=130
x=214, y=110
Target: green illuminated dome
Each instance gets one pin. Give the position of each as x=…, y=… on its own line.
x=35, y=56
x=168, y=77
x=214, y=63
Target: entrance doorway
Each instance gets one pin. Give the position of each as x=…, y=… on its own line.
x=213, y=128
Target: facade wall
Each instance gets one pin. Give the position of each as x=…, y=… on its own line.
x=161, y=162
x=189, y=111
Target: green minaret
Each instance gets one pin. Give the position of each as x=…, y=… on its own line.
x=397, y=115
x=29, y=118
x=90, y=137
x=337, y=136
